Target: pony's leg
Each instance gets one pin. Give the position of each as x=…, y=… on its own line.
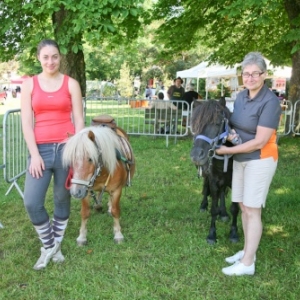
x=233, y=235
x=115, y=212
x=109, y=205
x=212, y=235
x=85, y=213
x=223, y=212
x=205, y=193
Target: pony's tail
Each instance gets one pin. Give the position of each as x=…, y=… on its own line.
x=69, y=178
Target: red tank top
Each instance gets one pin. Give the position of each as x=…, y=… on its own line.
x=52, y=113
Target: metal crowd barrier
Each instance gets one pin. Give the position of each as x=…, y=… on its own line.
x=143, y=117
x=136, y=117
x=14, y=149
x=285, y=124
x=296, y=118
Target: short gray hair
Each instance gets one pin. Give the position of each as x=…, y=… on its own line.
x=254, y=58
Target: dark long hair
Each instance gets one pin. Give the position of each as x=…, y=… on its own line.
x=46, y=42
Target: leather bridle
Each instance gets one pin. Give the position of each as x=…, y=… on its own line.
x=214, y=143
x=89, y=183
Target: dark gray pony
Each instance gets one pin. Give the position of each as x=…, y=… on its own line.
x=209, y=124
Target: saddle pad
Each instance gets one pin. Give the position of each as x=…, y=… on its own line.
x=126, y=148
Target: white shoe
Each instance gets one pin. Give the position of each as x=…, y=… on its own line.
x=58, y=256
x=239, y=269
x=236, y=257
x=46, y=255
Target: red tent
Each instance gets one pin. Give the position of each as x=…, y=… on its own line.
x=19, y=80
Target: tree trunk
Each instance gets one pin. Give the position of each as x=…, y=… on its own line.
x=72, y=64
x=292, y=8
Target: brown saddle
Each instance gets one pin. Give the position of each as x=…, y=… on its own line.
x=104, y=120
x=109, y=121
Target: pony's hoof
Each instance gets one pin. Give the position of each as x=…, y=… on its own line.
x=81, y=243
x=202, y=210
x=119, y=241
x=234, y=239
x=224, y=218
x=118, y=238
x=211, y=241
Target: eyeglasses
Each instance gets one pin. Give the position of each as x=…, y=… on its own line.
x=253, y=75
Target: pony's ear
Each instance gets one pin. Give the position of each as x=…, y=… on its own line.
x=91, y=136
x=222, y=101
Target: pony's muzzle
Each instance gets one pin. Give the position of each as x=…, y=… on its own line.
x=78, y=191
x=198, y=156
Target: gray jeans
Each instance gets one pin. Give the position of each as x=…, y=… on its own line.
x=36, y=189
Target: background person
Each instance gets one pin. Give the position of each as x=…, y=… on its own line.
x=162, y=105
x=176, y=91
x=148, y=92
x=159, y=106
x=52, y=100
x=255, y=119
x=191, y=95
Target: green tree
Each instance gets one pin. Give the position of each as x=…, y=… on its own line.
x=125, y=84
x=71, y=23
x=232, y=28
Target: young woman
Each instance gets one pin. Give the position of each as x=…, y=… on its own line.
x=255, y=119
x=51, y=108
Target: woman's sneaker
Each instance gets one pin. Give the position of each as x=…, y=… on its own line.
x=239, y=269
x=58, y=256
x=236, y=257
x=46, y=255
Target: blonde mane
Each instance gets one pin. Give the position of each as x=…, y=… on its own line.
x=80, y=147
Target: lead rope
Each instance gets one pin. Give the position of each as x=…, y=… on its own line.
x=99, y=200
x=226, y=156
x=211, y=152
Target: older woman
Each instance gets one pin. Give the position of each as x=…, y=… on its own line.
x=255, y=119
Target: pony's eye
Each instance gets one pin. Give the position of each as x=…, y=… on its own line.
x=90, y=160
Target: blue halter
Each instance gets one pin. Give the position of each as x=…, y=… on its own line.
x=222, y=136
x=214, y=144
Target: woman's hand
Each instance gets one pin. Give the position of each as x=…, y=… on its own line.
x=36, y=166
x=221, y=150
x=234, y=138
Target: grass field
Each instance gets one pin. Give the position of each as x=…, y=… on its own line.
x=165, y=254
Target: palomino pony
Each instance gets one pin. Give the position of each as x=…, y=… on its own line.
x=101, y=160
x=210, y=127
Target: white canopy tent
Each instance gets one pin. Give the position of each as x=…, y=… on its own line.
x=193, y=72
x=203, y=70
x=282, y=72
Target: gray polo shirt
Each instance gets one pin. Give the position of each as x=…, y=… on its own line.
x=263, y=110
